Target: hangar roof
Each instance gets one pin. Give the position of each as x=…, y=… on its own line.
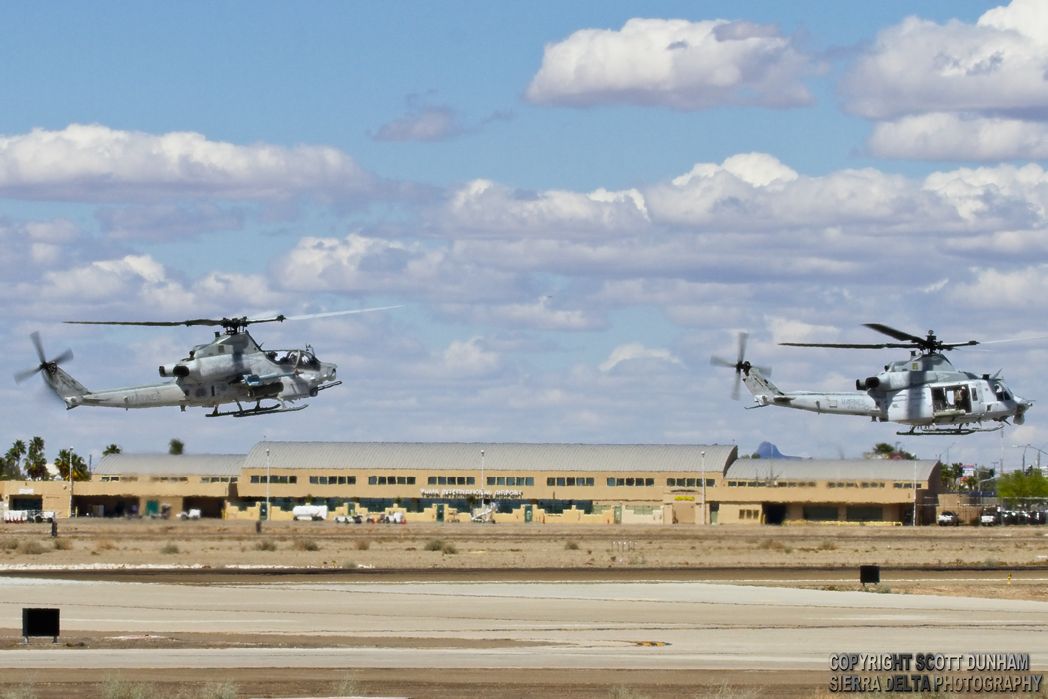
x=830, y=469
x=169, y=465
x=497, y=456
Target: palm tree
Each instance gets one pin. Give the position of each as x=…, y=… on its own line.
x=111, y=449
x=11, y=466
x=176, y=447
x=35, y=461
x=68, y=458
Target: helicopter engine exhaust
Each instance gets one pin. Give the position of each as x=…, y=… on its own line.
x=178, y=370
x=867, y=384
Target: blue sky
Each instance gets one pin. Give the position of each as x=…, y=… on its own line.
x=577, y=204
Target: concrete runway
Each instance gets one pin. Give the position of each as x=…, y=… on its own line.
x=569, y=625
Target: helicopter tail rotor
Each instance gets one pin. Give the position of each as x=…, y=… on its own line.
x=741, y=366
x=48, y=365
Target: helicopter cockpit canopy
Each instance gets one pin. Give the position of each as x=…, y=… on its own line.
x=1001, y=391
x=299, y=359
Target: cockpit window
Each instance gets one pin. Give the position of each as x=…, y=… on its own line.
x=299, y=359
x=1001, y=392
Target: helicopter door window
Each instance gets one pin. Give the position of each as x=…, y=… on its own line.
x=938, y=399
x=1001, y=392
x=962, y=399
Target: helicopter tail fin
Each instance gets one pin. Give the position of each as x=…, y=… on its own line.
x=763, y=390
x=65, y=386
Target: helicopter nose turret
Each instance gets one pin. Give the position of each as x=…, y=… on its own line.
x=1020, y=410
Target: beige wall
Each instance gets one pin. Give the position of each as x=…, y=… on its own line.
x=657, y=503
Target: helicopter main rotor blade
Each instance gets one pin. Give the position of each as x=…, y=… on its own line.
x=239, y=322
x=848, y=345
x=928, y=344
x=152, y=323
x=328, y=314
x=892, y=332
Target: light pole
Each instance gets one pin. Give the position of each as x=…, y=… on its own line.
x=915, y=492
x=483, y=483
x=267, y=482
x=703, y=455
x=1024, y=447
x=69, y=463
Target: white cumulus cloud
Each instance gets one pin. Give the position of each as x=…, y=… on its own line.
x=996, y=65
x=675, y=63
x=948, y=136
x=635, y=351
x=1025, y=287
x=91, y=162
x=484, y=207
x=957, y=91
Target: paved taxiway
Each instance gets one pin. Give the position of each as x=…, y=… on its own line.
x=566, y=625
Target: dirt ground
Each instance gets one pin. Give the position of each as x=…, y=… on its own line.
x=951, y=560
x=1004, y=562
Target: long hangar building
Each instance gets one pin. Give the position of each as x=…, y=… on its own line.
x=569, y=483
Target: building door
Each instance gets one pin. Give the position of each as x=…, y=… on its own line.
x=618, y=514
x=440, y=512
x=774, y=512
x=152, y=508
x=528, y=514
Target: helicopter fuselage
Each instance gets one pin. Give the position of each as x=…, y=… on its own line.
x=230, y=369
x=925, y=392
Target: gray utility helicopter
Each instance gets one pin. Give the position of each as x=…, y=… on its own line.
x=924, y=391
x=232, y=368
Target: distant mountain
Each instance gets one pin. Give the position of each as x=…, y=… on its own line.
x=767, y=450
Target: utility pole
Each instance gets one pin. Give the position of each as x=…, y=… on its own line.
x=703, y=455
x=915, y=492
x=69, y=462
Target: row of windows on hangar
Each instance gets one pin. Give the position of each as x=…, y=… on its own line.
x=553, y=481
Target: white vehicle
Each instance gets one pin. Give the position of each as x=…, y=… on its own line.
x=191, y=514
x=989, y=519
x=29, y=516
x=309, y=513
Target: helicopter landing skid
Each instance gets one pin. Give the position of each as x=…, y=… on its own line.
x=925, y=430
x=258, y=410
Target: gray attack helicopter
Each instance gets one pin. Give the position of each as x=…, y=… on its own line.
x=232, y=368
x=925, y=391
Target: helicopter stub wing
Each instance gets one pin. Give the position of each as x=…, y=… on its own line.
x=255, y=380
